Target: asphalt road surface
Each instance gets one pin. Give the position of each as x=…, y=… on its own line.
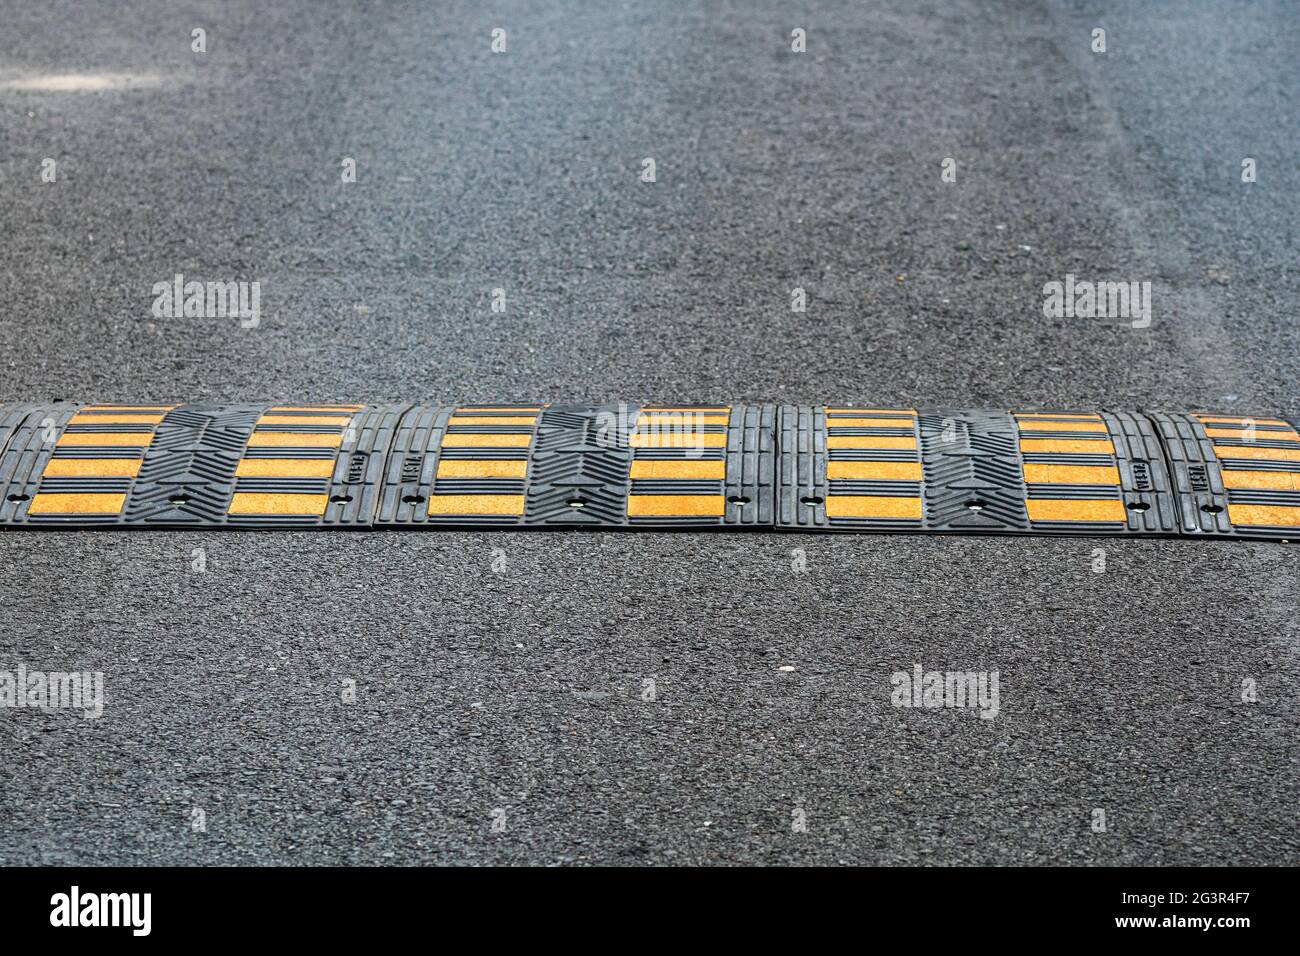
x=500, y=714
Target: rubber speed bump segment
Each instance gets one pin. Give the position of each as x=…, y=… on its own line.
x=1093, y=473
x=781, y=468
x=30, y=434
x=847, y=468
x=1038, y=472
x=581, y=466
x=196, y=465
x=1234, y=475
x=459, y=466
x=695, y=465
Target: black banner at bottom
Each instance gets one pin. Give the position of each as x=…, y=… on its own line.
x=945, y=907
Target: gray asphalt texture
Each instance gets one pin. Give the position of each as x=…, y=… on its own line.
x=515, y=698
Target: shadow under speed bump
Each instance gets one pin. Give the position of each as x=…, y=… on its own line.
x=764, y=467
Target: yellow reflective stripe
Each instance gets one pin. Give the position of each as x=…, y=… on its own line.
x=106, y=439
x=476, y=505
x=1071, y=474
x=870, y=441
x=258, y=503
x=490, y=420
x=1261, y=480
x=1260, y=434
x=481, y=468
x=1092, y=446
x=504, y=410
x=304, y=420
x=91, y=468
x=491, y=441
x=1073, y=509
x=1031, y=416
x=58, y=503
x=872, y=506
x=687, y=469
x=1285, y=516
x=677, y=439
x=663, y=419
x=1251, y=451
x=869, y=423
x=285, y=468
x=315, y=408
x=1078, y=425
x=890, y=412
x=294, y=440
x=1234, y=420
x=690, y=409
x=675, y=505
x=82, y=418
x=874, y=470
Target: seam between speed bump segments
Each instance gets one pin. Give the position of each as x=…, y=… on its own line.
x=783, y=468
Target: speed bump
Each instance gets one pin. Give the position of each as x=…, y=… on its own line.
x=581, y=466
x=94, y=462
x=695, y=465
x=846, y=468
x=463, y=465
x=195, y=465
x=1095, y=473
x=1234, y=475
x=1027, y=471
x=672, y=465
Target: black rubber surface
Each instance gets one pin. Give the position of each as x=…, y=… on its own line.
x=504, y=670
